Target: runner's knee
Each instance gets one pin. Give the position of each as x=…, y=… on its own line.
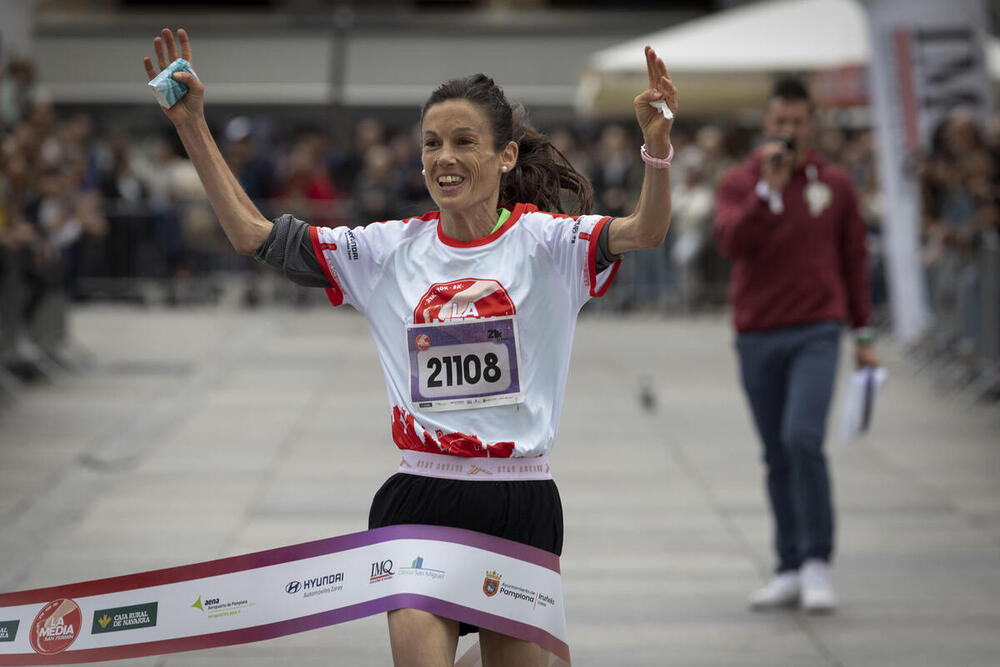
x=500, y=650
x=421, y=639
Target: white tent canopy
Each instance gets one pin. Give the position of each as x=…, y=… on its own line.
x=729, y=58
x=808, y=34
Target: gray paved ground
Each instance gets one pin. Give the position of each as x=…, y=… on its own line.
x=204, y=433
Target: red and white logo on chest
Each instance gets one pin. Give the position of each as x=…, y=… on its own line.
x=469, y=298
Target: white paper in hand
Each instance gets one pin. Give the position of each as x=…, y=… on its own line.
x=664, y=109
x=858, y=406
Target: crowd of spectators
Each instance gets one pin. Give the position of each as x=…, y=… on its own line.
x=88, y=215
x=960, y=251
x=49, y=200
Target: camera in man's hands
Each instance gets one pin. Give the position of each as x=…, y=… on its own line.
x=788, y=143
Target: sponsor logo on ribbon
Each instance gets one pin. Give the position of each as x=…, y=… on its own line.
x=132, y=617
x=260, y=595
x=56, y=627
x=381, y=571
x=492, y=586
x=217, y=607
x=8, y=630
x=417, y=569
x=328, y=583
x=492, y=583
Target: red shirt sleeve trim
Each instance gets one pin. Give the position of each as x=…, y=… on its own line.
x=595, y=234
x=333, y=293
x=516, y=213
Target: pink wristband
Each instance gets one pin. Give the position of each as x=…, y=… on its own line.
x=659, y=163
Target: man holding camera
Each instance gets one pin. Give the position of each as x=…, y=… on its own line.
x=790, y=225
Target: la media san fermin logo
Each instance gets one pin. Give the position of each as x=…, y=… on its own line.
x=492, y=583
x=55, y=627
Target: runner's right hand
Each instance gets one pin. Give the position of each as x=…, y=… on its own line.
x=191, y=107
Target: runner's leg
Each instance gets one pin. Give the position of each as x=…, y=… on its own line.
x=421, y=639
x=505, y=651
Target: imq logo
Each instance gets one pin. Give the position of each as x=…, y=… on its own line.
x=381, y=571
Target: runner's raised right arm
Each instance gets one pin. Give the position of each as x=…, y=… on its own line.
x=243, y=224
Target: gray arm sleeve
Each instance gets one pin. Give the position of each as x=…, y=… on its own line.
x=289, y=249
x=603, y=257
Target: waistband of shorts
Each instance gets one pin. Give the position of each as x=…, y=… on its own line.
x=473, y=469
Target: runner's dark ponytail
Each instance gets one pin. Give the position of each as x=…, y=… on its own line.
x=542, y=176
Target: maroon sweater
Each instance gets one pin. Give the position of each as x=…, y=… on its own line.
x=793, y=268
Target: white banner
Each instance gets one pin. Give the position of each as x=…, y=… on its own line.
x=928, y=57
x=490, y=582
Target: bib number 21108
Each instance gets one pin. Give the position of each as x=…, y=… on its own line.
x=470, y=368
x=467, y=364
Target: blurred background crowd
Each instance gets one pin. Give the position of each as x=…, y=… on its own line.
x=90, y=211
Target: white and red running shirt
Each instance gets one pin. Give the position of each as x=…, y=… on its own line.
x=474, y=338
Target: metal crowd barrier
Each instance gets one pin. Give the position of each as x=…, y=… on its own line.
x=989, y=315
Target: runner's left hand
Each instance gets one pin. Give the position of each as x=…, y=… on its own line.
x=656, y=128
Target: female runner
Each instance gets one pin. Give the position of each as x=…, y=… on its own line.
x=472, y=308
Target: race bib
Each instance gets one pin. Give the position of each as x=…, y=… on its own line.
x=465, y=364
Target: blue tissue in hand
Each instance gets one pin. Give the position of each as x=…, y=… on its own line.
x=167, y=91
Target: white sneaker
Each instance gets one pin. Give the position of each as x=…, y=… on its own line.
x=817, y=591
x=782, y=591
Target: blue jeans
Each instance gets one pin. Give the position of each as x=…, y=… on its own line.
x=788, y=375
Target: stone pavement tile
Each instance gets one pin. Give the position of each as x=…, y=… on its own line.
x=166, y=501
x=861, y=486
x=894, y=636
x=978, y=505
x=20, y=480
x=262, y=534
x=177, y=454
x=152, y=661
x=330, y=462
x=655, y=579
x=251, y=397
x=361, y=643
x=737, y=640
x=910, y=532
x=927, y=578
x=597, y=563
x=289, y=496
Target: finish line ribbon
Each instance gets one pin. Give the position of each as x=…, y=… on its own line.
x=467, y=576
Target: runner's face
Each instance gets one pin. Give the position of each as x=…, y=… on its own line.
x=461, y=167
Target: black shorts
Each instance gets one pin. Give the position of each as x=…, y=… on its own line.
x=527, y=511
